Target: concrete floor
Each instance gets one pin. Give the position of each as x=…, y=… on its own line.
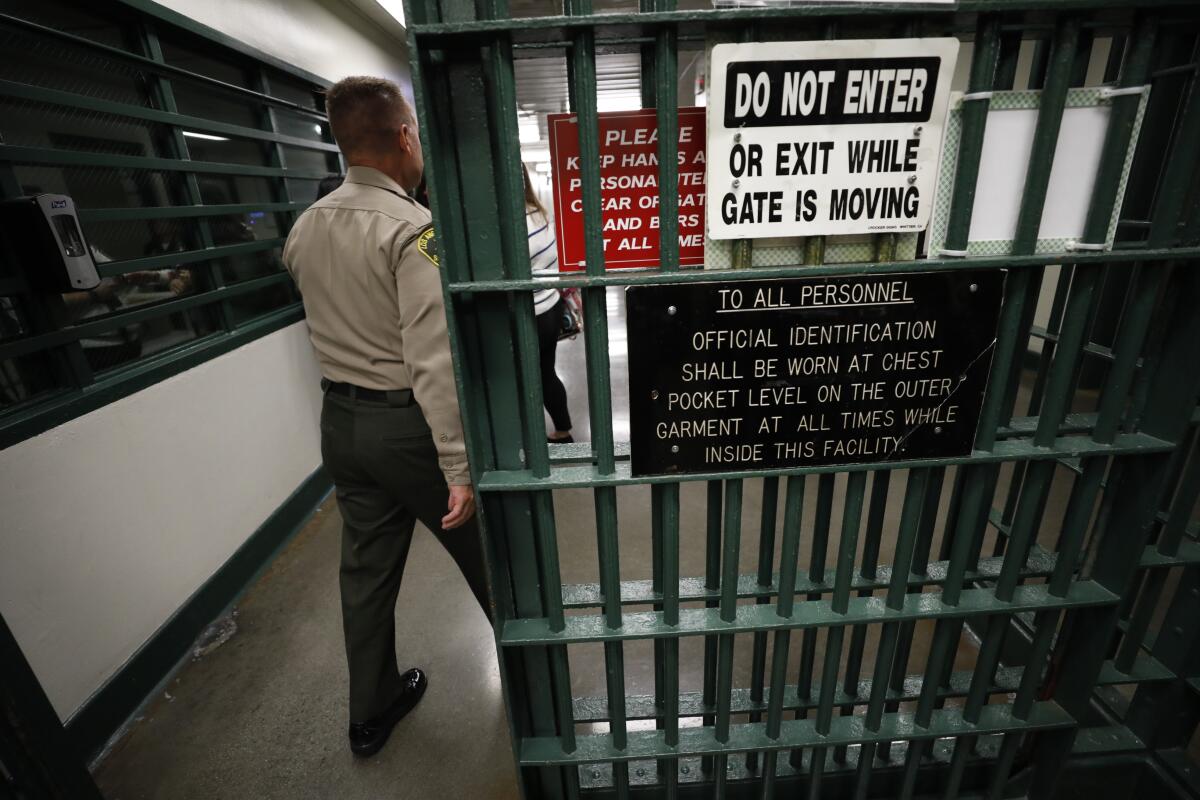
x=265, y=714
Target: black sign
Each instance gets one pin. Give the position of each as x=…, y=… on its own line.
x=730, y=376
x=834, y=91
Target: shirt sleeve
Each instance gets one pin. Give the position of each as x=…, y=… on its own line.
x=427, y=351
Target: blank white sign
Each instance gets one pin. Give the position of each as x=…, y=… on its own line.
x=1005, y=162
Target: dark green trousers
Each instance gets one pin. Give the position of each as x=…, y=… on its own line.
x=385, y=472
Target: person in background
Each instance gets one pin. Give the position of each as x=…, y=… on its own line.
x=549, y=307
x=365, y=259
x=421, y=193
x=328, y=184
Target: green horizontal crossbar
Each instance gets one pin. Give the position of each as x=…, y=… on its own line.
x=636, y=277
x=691, y=704
x=55, y=409
x=24, y=91
x=808, y=614
x=181, y=212
x=1027, y=426
x=80, y=158
x=1007, y=679
x=548, y=751
x=428, y=33
x=169, y=260
x=1146, y=668
x=584, y=476
x=45, y=341
x=1106, y=739
x=1091, y=348
x=161, y=67
x=587, y=595
x=1189, y=554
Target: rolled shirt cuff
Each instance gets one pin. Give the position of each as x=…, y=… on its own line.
x=457, y=472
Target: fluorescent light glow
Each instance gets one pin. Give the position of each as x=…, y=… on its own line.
x=533, y=156
x=618, y=102
x=393, y=7
x=208, y=136
x=528, y=131
x=542, y=167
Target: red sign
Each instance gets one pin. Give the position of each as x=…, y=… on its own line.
x=628, y=188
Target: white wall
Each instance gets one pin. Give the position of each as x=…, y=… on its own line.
x=114, y=519
x=331, y=38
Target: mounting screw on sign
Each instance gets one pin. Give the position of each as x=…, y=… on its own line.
x=654, y=394
x=674, y=448
x=671, y=310
x=974, y=287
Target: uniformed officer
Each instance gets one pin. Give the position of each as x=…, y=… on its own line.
x=366, y=262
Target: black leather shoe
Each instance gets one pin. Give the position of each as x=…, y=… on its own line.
x=367, y=738
x=564, y=440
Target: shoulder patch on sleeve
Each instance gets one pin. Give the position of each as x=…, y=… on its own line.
x=427, y=246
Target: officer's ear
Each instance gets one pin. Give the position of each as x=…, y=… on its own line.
x=408, y=135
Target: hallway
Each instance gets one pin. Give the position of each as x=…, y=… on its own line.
x=264, y=715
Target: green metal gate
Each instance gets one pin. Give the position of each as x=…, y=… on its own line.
x=1078, y=628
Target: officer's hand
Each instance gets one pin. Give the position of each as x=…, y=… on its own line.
x=461, y=505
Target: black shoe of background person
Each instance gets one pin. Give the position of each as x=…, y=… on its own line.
x=565, y=440
x=367, y=738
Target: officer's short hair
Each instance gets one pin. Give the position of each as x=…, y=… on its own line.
x=366, y=113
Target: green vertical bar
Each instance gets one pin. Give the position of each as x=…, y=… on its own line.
x=595, y=315
x=728, y=611
x=669, y=768
x=583, y=81
x=816, y=574
x=656, y=581
x=974, y=121
x=1045, y=136
x=856, y=484
x=766, y=559
x=948, y=632
x=712, y=582
x=551, y=582
x=500, y=88
x=500, y=83
x=614, y=654
x=788, y=557
x=1185, y=497
x=906, y=541
x=918, y=565
x=666, y=83
x=880, y=482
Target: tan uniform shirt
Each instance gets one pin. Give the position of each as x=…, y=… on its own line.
x=365, y=261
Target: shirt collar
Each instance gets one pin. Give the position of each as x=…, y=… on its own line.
x=373, y=177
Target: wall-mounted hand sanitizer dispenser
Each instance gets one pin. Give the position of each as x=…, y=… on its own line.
x=45, y=235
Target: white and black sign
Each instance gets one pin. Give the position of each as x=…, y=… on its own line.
x=748, y=375
x=825, y=137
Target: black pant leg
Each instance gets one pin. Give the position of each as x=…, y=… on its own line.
x=554, y=394
x=376, y=535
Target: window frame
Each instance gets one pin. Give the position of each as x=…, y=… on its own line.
x=79, y=390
